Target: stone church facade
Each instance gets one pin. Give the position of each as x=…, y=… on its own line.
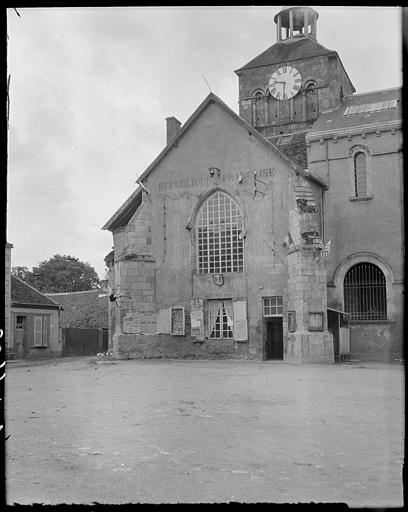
x=273, y=234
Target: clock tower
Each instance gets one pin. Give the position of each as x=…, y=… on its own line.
x=283, y=90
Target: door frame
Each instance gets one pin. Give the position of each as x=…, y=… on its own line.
x=270, y=320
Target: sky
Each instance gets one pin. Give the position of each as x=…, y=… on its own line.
x=90, y=89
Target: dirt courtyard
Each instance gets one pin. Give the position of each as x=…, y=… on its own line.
x=159, y=431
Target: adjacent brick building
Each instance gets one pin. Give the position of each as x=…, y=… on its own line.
x=275, y=234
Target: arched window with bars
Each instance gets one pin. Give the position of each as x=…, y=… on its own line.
x=365, y=295
x=360, y=174
x=220, y=241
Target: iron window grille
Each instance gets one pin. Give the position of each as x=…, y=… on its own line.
x=273, y=306
x=220, y=244
x=220, y=319
x=365, y=293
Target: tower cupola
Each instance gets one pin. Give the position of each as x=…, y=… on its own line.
x=294, y=22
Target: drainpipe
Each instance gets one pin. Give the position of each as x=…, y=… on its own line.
x=322, y=215
x=327, y=162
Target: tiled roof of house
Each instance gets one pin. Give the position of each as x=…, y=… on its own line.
x=23, y=293
x=83, y=309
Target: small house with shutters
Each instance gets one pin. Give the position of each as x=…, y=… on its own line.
x=34, y=323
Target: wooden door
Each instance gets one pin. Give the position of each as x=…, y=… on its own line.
x=274, y=338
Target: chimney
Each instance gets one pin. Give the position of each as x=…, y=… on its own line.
x=173, y=126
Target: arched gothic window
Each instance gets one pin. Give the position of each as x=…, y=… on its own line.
x=220, y=244
x=365, y=292
x=360, y=174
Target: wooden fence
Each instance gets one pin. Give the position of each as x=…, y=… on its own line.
x=78, y=342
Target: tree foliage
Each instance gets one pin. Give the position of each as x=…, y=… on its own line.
x=60, y=274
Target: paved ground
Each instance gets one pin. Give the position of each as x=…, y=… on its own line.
x=204, y=431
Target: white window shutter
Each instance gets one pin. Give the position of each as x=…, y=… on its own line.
x=177, y=320
x=45, y=331
x=240, y=320
x=38, y=324
x=164, y=321
x=197, y=319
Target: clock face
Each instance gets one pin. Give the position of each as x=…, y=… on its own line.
x=285, y=83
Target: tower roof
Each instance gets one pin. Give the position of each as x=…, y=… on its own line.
x=300, y=47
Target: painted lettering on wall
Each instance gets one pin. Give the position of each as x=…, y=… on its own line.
x=245, y=176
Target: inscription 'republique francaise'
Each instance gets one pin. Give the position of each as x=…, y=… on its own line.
x=229, y=177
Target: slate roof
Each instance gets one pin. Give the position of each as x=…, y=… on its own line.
x=296, y=149
x=122, y=216
x=125, y=212
x=83, y=309
x=23, y=294
x=287, y=51
x=336, y=120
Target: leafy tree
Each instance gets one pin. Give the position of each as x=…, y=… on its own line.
x=21, y=272
x=60, y=274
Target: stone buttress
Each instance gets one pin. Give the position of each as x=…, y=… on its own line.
x=308, y=340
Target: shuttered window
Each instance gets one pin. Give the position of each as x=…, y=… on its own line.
x=240, y=320
x=360, y=174
x=197, y=319
x=220, y=319
x=259, y=109
x=177, y=320
x=312, y=102
x=40, y=331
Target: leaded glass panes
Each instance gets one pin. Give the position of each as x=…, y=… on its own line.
x=220, y=246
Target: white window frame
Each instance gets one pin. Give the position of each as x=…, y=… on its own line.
x=227, y=306
x=276, y=302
